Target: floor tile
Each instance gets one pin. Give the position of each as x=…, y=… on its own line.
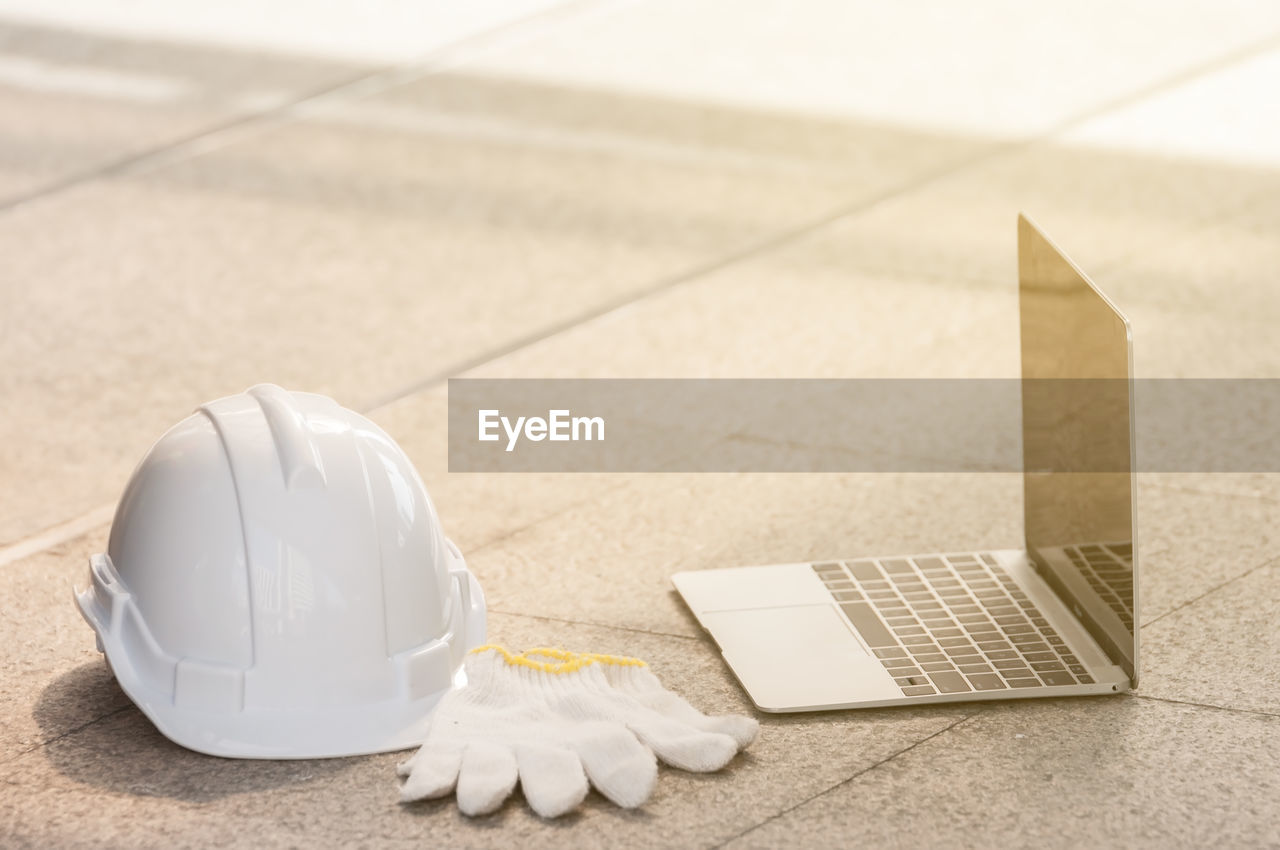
x=43, y=636
x=1220, y=648
x=1211, y=116
x=1191, y=541
x=90, y=101
x=383, y=31
x=836, y=59
x=1101, y=207
x=345, y=261
x=137, y=788
x=1089, y=772
x=618, y=552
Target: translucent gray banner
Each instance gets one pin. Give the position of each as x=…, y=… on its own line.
x=863, y=425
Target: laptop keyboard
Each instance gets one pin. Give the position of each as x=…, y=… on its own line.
x=950, y=624
x=1109, y=570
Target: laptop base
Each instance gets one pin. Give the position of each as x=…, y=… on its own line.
x=875, y=632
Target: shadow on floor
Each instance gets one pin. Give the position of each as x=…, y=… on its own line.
x=97, y=737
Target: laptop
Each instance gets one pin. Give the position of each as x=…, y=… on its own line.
x=1055, y=618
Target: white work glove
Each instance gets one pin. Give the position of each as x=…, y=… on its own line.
x=558, y=721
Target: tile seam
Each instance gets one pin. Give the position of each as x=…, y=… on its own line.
x=848, y=780
x=376, y=79
x=1269, y=562
x=1210, y=706
x=590, y=624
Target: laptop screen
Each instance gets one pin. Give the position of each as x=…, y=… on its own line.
x=1077, y=444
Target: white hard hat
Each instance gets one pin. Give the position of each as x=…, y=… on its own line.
x=277, y=584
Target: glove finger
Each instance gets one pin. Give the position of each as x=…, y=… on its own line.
x=486, y=778
x=683, y=746
x=405, y=767
x=640, y=684
x=618, y=765
x=433, y=772
x=742, y=730
x=552, y=779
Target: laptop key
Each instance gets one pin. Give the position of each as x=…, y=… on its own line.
x=1008, y=663
x=974, y=668
x=1000, y=654
x=1062, y=678
x=986, y=682
x=949, y=683
x=893, y=652
x=865, y=571
x=1040, y=656
x=864, y=619
x=1077, y=669
x=910, y=630
x=1024, y=683
x=1085, y=680
x=918, y=691
x=937, y=667
x=916, y=640
x=897, y=662
x=966, y=659
x=896, y=566
x=930, y=657
x=912, y=680
x=1048, y=666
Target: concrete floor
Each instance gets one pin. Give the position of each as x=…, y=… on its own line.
x=638, y=190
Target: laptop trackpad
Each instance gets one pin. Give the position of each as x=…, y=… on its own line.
x=799, y=657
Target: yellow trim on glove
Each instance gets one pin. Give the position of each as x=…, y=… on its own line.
x=568, y=662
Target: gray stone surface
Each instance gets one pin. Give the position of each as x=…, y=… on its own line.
x=91, y=101
x=1220, y=649
x=108, y=777
x=354, y=262
x=1105, y=772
